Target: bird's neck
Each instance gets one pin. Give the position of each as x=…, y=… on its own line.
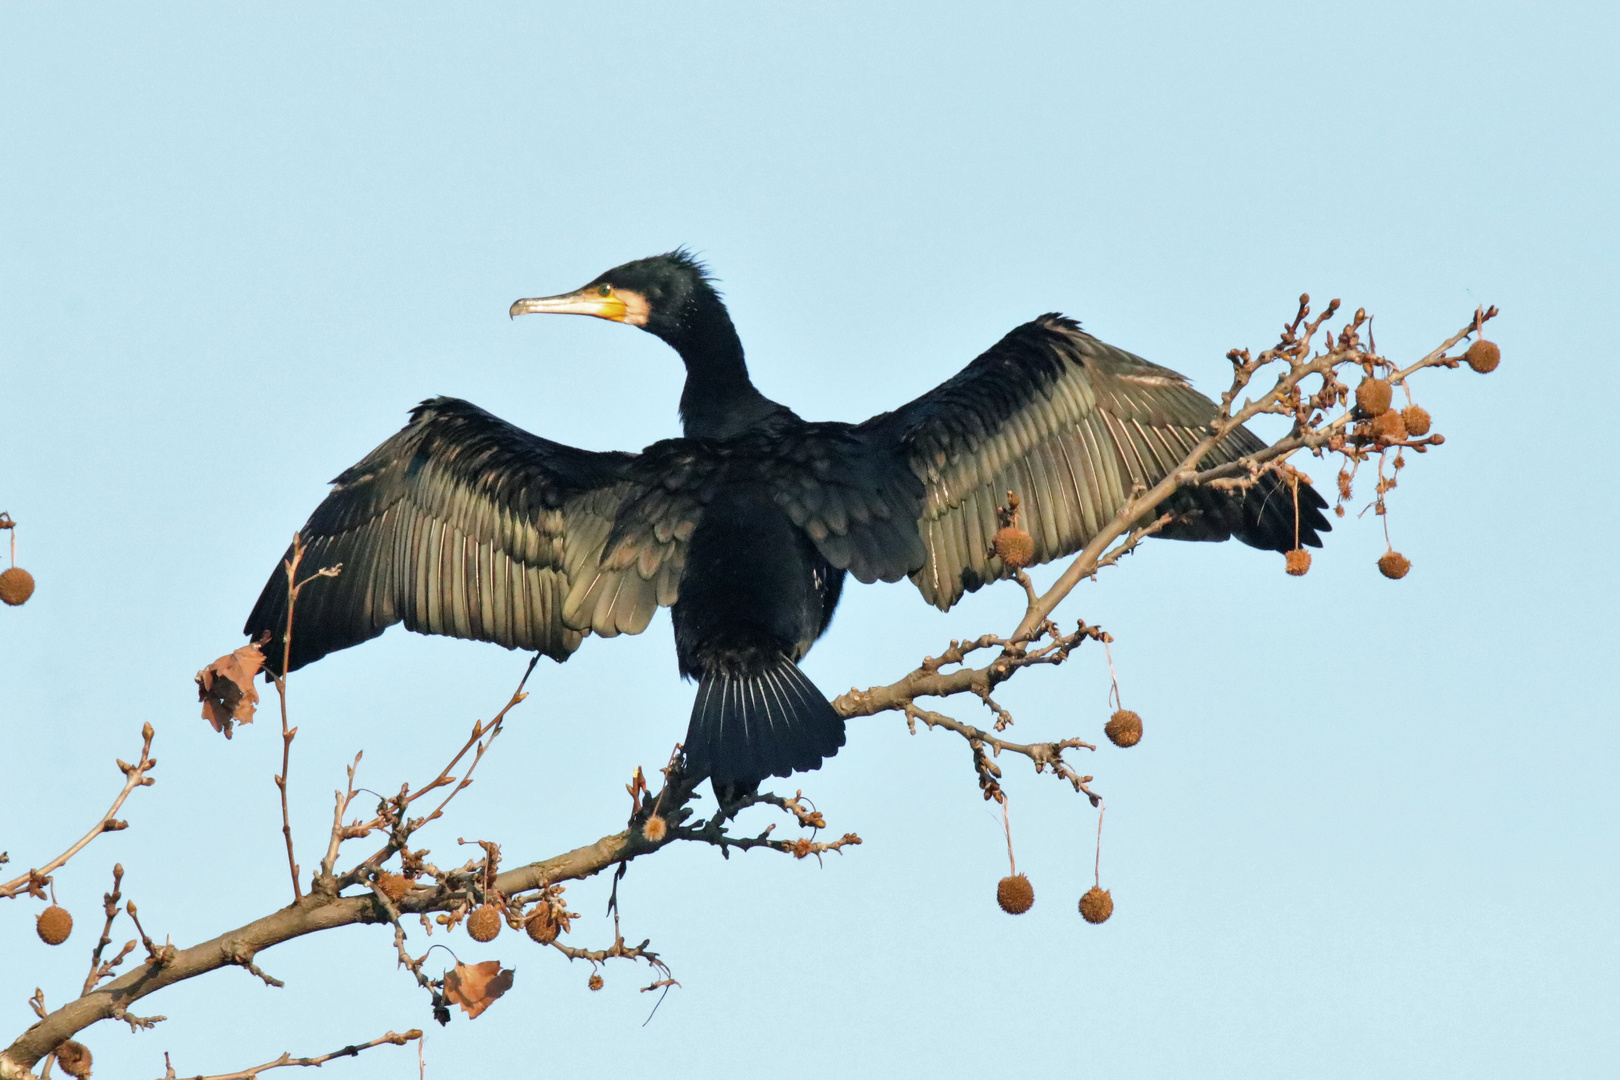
x=719, y=399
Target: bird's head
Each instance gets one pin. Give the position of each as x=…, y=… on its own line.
x=666, y=295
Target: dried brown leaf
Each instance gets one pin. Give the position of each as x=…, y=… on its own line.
x=476, y=986
x=226, y=691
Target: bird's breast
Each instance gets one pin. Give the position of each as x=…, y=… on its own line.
x=753, y=584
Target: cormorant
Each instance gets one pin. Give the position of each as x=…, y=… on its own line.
x=464, y=525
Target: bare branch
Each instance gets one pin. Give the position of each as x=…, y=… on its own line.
x=135, y=776
x=109, y=904
x=390, y=1039
x=1044, y=755
x=479, y=741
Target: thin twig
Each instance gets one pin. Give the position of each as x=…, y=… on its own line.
x=287, y=734
x=109, y=902
x=390, y=1039
x=294, y=587
x=135, y=776
x=476, y=742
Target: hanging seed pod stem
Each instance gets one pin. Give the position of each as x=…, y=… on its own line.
x=16, y=584
x=1014, y=892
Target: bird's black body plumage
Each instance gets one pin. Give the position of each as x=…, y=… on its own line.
x=464, y=525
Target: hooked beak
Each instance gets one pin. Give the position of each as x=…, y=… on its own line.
x=580, y=302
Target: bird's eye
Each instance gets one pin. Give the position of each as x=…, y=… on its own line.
x=606, y=290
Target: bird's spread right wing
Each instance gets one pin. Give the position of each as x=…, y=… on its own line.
x=464, y=525
x=1073, y=425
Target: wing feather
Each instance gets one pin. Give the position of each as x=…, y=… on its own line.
x=1073, y=426
x=463, y=525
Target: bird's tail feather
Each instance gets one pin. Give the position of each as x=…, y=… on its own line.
x=747, y=725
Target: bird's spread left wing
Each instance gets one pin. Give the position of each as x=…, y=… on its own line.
x=464, y=525
x=1071, y=425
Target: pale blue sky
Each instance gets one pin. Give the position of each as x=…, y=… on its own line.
x=1371, y=829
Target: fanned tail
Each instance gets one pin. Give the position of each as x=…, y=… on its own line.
x=753, y=723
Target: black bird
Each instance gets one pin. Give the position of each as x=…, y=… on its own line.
x=464, y=525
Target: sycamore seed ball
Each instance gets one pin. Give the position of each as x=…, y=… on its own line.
x=1394, y=565
x=1374, y=395
x=392, y=885
x=1124, y=728
x=541, y=927
x=1015, y=547
x=1417, y=421
x=1390, y=427
x=1297, y=562
x=655, y=828
x=1015, y=894
x=16, y=586
x=595, y=982
x=1096, y=905
x=74, y=1057
x=54, y=925
x=484, y=924
x=1483, y=356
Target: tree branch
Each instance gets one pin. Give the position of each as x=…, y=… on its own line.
x=135, y=776
x=390, y=1039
